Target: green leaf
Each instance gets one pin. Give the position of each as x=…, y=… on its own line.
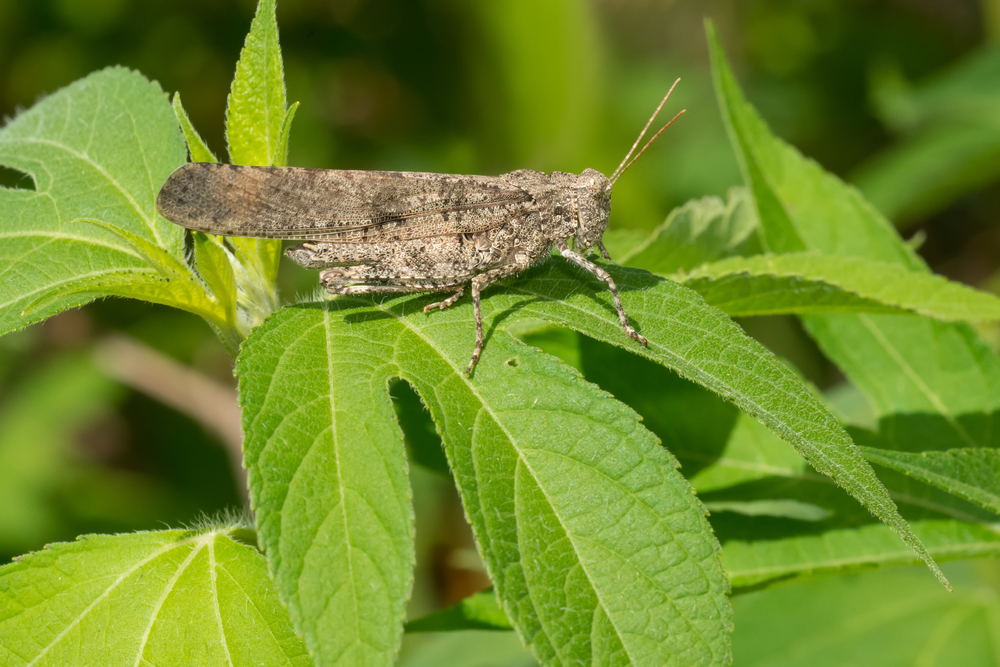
x=754, y=564
x=895, y=618
x=575, y=506
x=211, y=259
x=476, y=612
x=196, y=145
x=800, y=206
x=179, y=293
x=167, y=281
x=158, y=598
x=281, y=155
x=256, y=112
x=973, y=474
x=472, y=648
x=787, y=508
x=932, y=385
x=100, y=147
x=536, y=452
x=812, y=283
x=166, y=263
x=329, y=483
x=700, y=231
x=257, y=127
x=751, y=453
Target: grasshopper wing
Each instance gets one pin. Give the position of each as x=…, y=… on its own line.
x=334, y=205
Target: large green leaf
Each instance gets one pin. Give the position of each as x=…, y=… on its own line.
x=99, y=148
x=807, y=282
x=329, y=483
x=159, y=598
x=574, y=505
x=572, y=502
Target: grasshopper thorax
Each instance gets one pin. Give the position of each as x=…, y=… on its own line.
x=592, y=204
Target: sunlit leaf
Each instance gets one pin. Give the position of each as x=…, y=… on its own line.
x=158, y=598
x=100, y=147
x=753, y=564
x=813, y=283
x=801, y=207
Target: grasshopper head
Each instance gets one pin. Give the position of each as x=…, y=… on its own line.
x=593, y=208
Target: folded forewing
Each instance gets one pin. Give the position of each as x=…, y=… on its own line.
x=334, y=205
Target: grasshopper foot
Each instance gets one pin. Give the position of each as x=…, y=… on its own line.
x=441, y=305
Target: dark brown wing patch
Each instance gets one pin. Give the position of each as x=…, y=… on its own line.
x=334, y=205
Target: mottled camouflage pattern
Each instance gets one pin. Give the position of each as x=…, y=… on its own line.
x=390, y=231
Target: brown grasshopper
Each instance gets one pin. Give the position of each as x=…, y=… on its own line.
x=393, y=231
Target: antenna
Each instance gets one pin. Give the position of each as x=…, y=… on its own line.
x=625, y=164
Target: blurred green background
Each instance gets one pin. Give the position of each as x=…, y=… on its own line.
x=98, y=429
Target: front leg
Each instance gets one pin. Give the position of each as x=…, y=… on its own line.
x=520, y=262
x=592, y=268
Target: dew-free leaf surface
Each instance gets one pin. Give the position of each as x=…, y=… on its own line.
x=754, y=564
x=932, y=385
x=157, y=598
x=702, y=230
x=890, y=618
x=581, y=516
x=257, y=124
x=99, y=148
x=972, y=473
x=808, y=282
x=479, y=611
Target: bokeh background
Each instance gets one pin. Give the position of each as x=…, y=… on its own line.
x=102, y=419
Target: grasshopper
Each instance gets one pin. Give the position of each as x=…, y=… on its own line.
x=393, y=231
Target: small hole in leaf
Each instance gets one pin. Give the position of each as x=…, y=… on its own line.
x=513, y=362
x=15, y=180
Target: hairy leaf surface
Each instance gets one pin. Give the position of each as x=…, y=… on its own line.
x=579, y=513
x=258, y=122
x=99, y=148
x=158, y=598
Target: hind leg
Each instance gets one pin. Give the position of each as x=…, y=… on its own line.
x=441, y=305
